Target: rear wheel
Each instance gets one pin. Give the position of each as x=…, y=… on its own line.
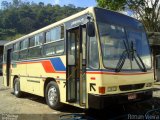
x=17, y=91
x=52, y=96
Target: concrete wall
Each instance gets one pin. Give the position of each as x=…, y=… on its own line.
x=154, y=41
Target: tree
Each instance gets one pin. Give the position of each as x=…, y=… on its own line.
x=41, y=4
x=16, y=3
x=21, y=18
x=112, y=4
x=27, y=24
x=148, y=11
x=4, y=4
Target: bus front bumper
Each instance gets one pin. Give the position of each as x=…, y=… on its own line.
x=102, y=101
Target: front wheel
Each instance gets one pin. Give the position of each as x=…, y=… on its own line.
x=52, y=96
x=17, y=91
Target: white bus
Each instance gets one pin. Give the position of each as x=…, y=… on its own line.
x=92, y=59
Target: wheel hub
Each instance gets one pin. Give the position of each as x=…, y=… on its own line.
x=52, y=95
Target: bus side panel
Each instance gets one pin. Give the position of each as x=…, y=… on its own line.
x=39, y=70
x=34, y=73
x=19, y=70
x=62, y=81
x=55, y=68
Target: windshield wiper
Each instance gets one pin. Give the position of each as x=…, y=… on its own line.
x=122, y=58
x=121, y=61
x=131, y=55
x=143, y=67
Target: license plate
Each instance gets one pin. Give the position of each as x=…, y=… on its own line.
x=132, y=96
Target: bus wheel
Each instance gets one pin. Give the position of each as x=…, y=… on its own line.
x=17, y=91
x=52, y=96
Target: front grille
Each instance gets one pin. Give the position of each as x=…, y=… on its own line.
x=131, y=87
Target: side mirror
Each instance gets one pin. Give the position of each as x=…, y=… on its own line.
x=90, y=29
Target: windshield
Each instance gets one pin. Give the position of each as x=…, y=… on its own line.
x=116, y=39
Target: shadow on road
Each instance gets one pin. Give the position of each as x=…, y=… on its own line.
x=117, y=112
x=32, y=97
x=66, y=108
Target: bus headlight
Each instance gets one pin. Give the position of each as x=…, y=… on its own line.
x=148, y=84
x=110, y=89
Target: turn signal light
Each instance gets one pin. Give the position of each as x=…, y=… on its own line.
x=102, y=90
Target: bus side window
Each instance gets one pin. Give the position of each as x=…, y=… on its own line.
x=23, y=49
x=15, y=53
x=39, y=39
x=54, y=42
x=93, y=60
x=60, y=47
x=35, y=44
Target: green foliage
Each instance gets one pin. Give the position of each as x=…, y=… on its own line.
x=19, y=18
x=112, y=4
x=148, y=11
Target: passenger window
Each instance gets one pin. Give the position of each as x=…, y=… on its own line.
x=48, y=36
x=24, y=44
x=15, y=56
x=15, y=53
x=93, y=53
x=39, y=39
x=16, y=46
x=59, y=49
x=35, y=44
x=49, y=50
x=54, y=48
x=23, y=49
x=55, y=34
x=32, y=41
x=35, y=52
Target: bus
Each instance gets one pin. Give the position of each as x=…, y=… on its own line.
x=93, y=59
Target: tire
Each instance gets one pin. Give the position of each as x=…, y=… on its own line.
x=16, y=89
x=52, y=96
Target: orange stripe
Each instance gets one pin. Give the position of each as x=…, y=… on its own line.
x=48, y=67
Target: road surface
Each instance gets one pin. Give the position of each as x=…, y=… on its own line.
x=32, y=107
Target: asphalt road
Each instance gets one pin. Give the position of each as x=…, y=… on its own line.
x=32, y=107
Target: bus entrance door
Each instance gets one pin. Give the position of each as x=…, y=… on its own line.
x=76, y=66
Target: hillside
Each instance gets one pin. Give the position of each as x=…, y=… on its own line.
x=18, y=19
